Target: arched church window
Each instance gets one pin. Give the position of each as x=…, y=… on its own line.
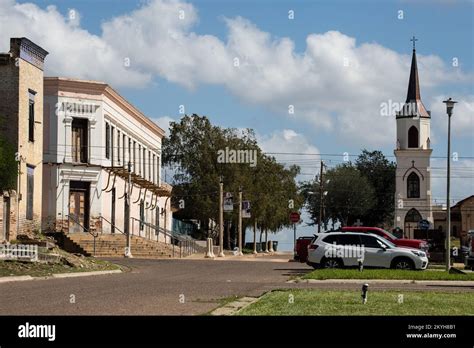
x=413, y=216
x=413, y=137
x=413, y=186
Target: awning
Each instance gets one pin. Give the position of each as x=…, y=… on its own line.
x=163, y=190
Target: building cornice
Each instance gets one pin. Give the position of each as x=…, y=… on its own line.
x=55, y=85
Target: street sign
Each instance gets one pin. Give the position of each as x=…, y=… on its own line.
x=295, y=217
x=246, y=209
x=423, y=224
x=228, y=202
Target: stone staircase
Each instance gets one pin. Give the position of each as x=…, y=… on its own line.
x=113, y=245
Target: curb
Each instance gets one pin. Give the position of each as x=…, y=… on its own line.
x=57, y=275
x=387, y=281
x=234, y=307
x=15, y=278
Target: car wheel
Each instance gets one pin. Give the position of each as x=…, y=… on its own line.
x=403, y=263
x=331, y=263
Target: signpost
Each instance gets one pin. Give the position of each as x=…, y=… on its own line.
x=424, y=225
x=294, y=218
x=228, y=202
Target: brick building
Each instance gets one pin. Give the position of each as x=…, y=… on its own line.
x=21, y=124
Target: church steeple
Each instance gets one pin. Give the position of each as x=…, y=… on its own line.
x=413, y=105
x=413, y=84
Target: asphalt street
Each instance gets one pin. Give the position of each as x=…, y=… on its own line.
x=166, y=287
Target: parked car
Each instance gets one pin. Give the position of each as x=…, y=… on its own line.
x=341, y=249
x=301, y=248
x=469, y=261
x=401, y=242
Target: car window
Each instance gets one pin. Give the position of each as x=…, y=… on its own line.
x=349, y=239
x=331, y=239
x=370, y=242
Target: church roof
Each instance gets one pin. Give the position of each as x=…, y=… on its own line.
x=413, y=105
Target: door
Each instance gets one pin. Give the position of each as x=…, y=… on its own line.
x=6, y=218
x=79, y=206
x=375, y=255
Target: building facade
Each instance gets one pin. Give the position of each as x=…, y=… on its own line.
x=462, y=218
x=92, y=137
x=21, y=125
x=413, y=153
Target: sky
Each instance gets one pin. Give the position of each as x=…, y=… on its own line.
x=308, y=76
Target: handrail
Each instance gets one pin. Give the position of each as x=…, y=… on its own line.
x=111, y=224
x=95, y=235
x=187, y=246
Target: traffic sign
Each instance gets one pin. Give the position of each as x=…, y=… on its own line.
x=424, y=224
x=294, y=217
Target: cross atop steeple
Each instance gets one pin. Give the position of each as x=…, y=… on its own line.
x=413, y=39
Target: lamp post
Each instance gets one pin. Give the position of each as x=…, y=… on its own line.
x=449, y=110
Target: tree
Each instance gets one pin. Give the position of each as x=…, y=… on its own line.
x=192, y=151
x=381, y=175
x=8, y=166
x=349, y=196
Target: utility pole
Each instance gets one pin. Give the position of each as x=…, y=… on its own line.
x=449, y=110
x=18, y=198
x=321, y=196
x=221, y=220
x=128, y=252
x=240, y=222
x=255, y=236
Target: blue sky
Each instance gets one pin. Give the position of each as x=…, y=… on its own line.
x=337, y=110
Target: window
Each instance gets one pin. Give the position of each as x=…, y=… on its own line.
x=31, y=116
x=348, y=239
x=157, y=169
x=144, y=163
x=107, y=141
x=30, y=171
x=134, y=169
x=79, y=140
x=124, y=144
x=112, y=144
x=413, y=137
x=139, y=159
x=154, y=170
x=370, y=242
x=332, y=239
x=118, y=147
x=142, y=214
x=413, y=186
x=149, y=165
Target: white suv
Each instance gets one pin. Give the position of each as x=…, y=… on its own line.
x=340, y=249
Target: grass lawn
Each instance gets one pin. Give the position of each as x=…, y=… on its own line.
x=36, y=269
x=327, y=302
x=386, y=274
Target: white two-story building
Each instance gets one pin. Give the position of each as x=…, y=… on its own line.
x=91, y=136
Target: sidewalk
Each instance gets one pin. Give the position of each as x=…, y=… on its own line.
x=277, y=256
x=469, y=283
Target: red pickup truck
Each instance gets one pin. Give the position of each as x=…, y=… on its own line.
x=301, y=248
x=401, y=242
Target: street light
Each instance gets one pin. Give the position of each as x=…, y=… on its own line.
x=449, y=110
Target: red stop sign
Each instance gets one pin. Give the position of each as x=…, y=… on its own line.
x=294, y=217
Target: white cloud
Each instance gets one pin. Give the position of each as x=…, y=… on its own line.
x=334, y=84
x=462, y=121
x=462, y=179
x=73, y=51
x=164, y=123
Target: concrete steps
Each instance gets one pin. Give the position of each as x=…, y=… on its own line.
x=113, y=245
